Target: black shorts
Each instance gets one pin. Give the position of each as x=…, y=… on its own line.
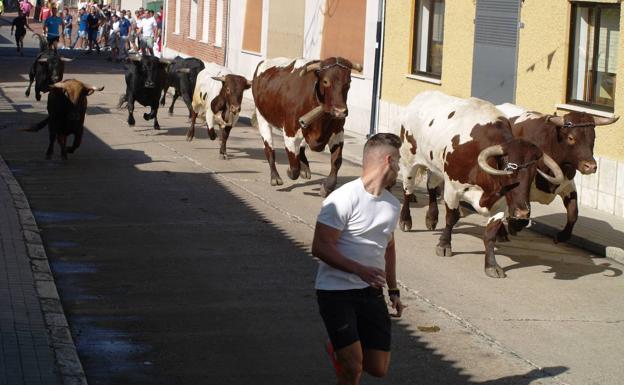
x=52, y=39
x=356, y=315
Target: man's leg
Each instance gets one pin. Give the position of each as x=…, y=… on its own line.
x=350, y=358
x=376, y=362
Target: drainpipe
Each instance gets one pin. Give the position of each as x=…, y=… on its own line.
x=226, y=44
x=374, y=122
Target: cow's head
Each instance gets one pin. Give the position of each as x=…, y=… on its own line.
x=49, y=70
x=75, y=92
x=150, y=69
x=332, y=84
x=516, y=163
x=576, y=136
x=230, y=97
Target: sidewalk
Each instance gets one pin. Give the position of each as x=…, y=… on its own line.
x=36, y=346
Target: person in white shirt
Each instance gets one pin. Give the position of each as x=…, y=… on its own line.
x=148, y=28
x=354, y=240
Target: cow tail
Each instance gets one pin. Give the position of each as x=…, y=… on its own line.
x=123, y=102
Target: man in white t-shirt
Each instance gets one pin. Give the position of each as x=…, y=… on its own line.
x=148, y=28
x=354, y=239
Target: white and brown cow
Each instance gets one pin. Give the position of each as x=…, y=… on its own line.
x=286, y=90
x=217, y=100
x=467, y=144
x=569, y=140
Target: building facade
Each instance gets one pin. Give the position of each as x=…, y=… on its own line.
x=196, y=28
x=546, y=56
x=312, y=29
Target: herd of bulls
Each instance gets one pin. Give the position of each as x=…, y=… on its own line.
x=498, y=159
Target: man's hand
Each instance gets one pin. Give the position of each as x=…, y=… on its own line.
x=397, y=305
x=372, y=275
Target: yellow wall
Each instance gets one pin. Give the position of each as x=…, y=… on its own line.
x=542, y=60
x=545, y=40
x=456, y=55
x=286, y=28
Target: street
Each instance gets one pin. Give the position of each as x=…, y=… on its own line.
x=176, y=267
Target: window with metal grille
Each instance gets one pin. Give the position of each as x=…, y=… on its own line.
x=428, y=38
x=344, y=25
x=593, y=62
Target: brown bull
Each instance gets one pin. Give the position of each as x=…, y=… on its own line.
x=285, y=90
x=569, y=140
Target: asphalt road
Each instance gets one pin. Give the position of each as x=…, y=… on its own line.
x=176, y=267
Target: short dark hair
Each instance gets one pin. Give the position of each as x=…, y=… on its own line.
x=382, y=139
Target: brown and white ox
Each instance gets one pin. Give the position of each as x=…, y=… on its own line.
x=284, y=90
x=467, y=145
x=217, y=100
x=569, y=140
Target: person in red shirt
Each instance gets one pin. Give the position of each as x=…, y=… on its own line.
x=45, y=12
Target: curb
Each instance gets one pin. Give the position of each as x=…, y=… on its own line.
x=59, y=334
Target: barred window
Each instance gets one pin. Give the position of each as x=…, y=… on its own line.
x=428, y=38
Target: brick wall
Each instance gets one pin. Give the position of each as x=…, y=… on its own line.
x=181, y=42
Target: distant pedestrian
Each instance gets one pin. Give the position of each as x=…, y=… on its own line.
x=68, y=20
x=45, y=12
x=82, y=29
x=25, y=6
x=148, y=28
x=52, y=28
x=354, y=239
x=20, y=24
x=93, y=24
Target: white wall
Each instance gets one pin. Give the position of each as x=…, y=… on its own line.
x=360, y=95
x=132, y=5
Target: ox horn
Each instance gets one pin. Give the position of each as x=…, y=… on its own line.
x=554, y=167
x=219, y=78
x=184, y=70
x=66, y=59
x=94, y=88
x=58, y=85
x=134, y=58
x=312, y=66
x=598, y=121
x=556, y=120
x=357, y=66
x=166, y=61
x=488, y=152
x=43, y=60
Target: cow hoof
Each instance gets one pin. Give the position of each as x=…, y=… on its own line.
x=325, y=191
x=305, y=173
x=293, y=175
x=276, y=181
x=156, y=127
x=224, y=156
x=189, y=138
x=406, y=225
x=495, y=272
x=38, y=97
x=27, y=92
x=131, y=121
x=170, y=112
x=412, y=198
x=561, y=237
x=212, y=134
x=502, y=238
x=444, y=251
x=146, y=116
x=430, y=223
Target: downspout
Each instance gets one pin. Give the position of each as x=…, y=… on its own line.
x=374, y=122
x=165, y=26
x=226, y=45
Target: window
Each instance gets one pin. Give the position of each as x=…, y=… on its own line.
x=252, y=34
x=178, y=6
x=595, y=37
x=219, y=24
x=206, y=20
x=428, y=38
x=193, y=25
x=344, y=26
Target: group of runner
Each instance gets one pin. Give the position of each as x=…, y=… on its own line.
x=97, y=26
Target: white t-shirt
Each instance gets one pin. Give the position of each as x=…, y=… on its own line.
x=115, y=28
x=147, y=26
x=367, y=223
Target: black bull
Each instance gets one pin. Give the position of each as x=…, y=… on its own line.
x=182, y=76
x=47, y=69
x=145, y=80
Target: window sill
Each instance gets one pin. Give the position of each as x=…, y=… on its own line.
x=176, y=33
x=591, y=111
x=217, y=45
x=424, y=79
x=204, y=41
x=358, y=75
x=251, y=53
